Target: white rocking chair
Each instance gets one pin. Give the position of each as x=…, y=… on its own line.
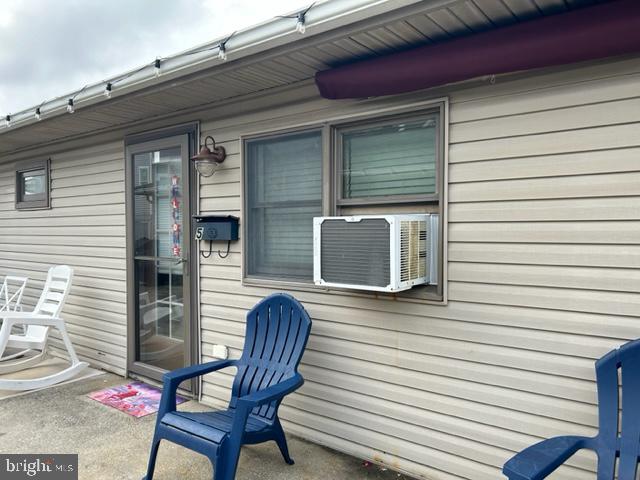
x=38, y=323
x=11, y=293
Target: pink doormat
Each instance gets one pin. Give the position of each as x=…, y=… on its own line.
x=136, y=398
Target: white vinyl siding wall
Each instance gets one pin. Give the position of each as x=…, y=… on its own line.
x=85, y=229
x=544, y=247
x=544, y=251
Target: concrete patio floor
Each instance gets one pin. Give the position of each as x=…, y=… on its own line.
x=114, y=445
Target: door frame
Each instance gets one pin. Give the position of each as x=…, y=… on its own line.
x=133, y=143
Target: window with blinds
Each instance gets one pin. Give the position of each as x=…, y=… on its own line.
x=386, y=164
x=391, y=159
x=283, y=193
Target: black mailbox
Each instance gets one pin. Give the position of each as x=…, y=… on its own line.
x=216, y=227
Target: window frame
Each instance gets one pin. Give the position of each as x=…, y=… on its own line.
x=338, y=159
x=43, y=201
x=330, y=188
x=245, y=140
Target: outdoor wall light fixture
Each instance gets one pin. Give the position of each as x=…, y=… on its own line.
x=208, y=161
x=70, y=107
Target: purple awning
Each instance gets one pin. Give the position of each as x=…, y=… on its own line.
x=599, y=31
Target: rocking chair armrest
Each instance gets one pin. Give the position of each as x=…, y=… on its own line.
x=539, y=460
x=30, y=319
x=271, y=393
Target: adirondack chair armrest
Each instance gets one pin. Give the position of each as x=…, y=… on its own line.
x=271, y=393
x=541, y=459
x=172, y=379
x=247, y=403
x=176, y=377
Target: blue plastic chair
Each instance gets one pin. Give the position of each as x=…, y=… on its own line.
x=276, y=335
x=541, y=459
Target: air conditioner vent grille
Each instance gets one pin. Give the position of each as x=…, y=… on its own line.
x=384, y=253
x=356, y=252
x=413, y=249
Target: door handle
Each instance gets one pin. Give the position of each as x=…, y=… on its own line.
x=186, y=269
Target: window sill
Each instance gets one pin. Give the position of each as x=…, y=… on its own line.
x=26, y=206
x=428, y=298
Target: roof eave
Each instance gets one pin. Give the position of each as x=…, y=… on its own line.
x=279, y=31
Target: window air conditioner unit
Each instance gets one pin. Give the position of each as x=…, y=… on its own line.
x=385, y=253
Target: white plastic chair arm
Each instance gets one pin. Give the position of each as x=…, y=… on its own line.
x=4, y=315
x=31, y=319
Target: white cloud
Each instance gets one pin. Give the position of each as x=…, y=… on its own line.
x=50, y=48
x=6, y=19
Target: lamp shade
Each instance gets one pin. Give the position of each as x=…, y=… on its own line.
x=206, y=168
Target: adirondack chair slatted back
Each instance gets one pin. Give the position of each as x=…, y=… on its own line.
x=53, y=297
x=11, y=293
x=619, y=436
x=276, y=335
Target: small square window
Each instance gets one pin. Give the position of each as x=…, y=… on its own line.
x=32, y=185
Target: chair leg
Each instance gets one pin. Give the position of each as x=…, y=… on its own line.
x=225, y=464
x=281, y=440
x=152, y=459
x=219, y=467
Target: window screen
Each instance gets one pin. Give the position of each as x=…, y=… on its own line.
x=284, y=193
x=389, y=159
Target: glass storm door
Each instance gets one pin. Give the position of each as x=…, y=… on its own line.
x=159, y=216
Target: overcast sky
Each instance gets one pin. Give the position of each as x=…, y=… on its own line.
x=49, y=48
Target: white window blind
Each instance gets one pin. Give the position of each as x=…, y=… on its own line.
x=390, y=159
x=284, y=193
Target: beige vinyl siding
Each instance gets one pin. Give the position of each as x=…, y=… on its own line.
x=85, y=228
x=544, y=243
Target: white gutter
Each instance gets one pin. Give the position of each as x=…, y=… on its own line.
x=322, y=17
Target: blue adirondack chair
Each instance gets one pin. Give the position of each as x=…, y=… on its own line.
x=276, y=336
x=541, y=459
